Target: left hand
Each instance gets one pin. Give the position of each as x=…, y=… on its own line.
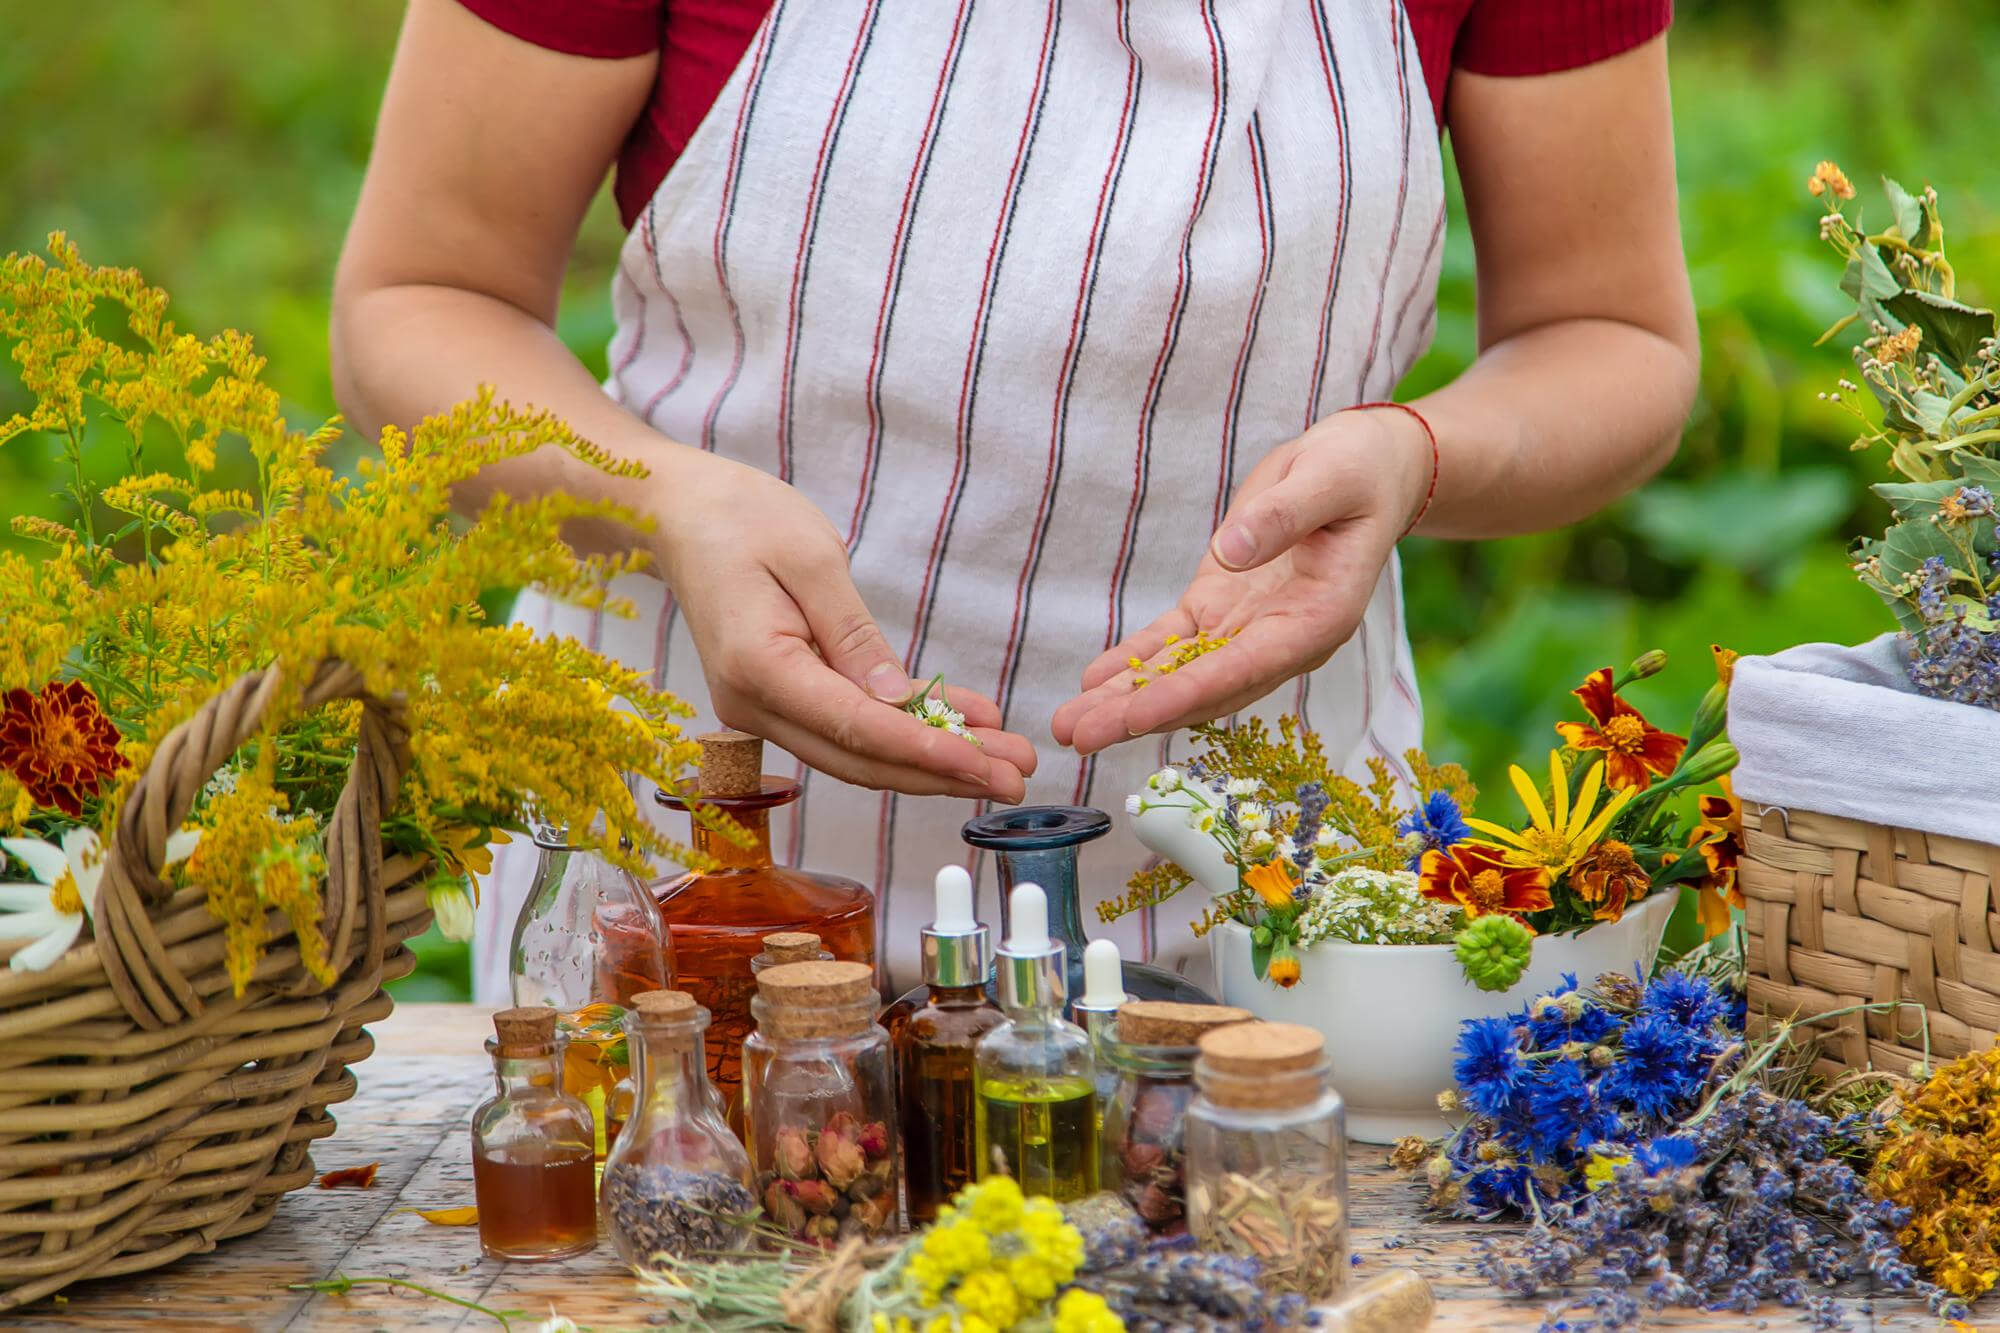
x=1287, y=577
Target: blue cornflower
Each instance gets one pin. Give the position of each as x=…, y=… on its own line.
x=1563, y=1115
x=1658, y=1069
x=1689, y=1001
x=1668, y=1153
x=1439, y=822
x=1489, y=1069
x=1553, y=1029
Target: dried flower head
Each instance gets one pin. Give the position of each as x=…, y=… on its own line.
x=1828, y=180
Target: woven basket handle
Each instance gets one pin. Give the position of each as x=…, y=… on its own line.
x=138, y=967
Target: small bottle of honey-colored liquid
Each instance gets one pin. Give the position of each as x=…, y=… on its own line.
x=533, y=1153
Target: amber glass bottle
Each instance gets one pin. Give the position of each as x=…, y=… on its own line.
x=934, y=1030
x=718, y=920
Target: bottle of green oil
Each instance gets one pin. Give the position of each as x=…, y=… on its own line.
x=1037, y=1104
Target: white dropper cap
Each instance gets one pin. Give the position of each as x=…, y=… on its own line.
x=1103, y=976
x=954, y=902
x=1028, y=920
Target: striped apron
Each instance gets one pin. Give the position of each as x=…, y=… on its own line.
x=1016, y=293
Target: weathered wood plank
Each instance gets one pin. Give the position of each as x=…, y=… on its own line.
x=412, y=1115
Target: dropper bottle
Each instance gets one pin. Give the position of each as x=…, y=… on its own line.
x=934, y=1030
x=1097, y=1010
x=1037, y=1103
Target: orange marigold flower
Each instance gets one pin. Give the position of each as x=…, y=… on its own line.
x=1610, y=879
x=1634, y=749
x=1719, y=835
x=58, y=743
x=1284, y=971
x=1273, y=882
x=1478, y=878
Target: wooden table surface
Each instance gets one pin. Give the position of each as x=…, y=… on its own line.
x=411, y=1115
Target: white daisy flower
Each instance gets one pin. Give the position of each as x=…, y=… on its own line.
x=1241, y=787
x=51, y=909
x=1287, y=848
x=1133, y=805
x=1167, y=779
x=1201, y=820
x=1327, y=840
x=1258, y=845
x=1252, y=817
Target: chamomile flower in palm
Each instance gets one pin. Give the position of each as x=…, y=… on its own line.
x=932, y=709
x=50, y=910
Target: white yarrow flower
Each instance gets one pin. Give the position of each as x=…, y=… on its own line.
x=51, y=910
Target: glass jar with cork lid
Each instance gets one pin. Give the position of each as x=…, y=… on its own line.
x=718, y=919
x=1143, y=1147
x=677, y=1182
x=819, y=1097
x=1267, y=1155
x=790, y=946
x=533, y=1153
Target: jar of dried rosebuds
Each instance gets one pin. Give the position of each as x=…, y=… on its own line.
x=1267, y=1155
x=819, y=1097
x=1142, y=1153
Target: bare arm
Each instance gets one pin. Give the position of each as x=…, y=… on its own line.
x=1588, y=361
x=487, y=154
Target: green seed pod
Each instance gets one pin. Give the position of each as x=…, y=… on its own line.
x=1494, y=951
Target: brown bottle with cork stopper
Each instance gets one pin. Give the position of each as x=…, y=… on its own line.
x=533, y=1157
x=718, y=919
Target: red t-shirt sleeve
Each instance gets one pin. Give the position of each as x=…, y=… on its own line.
x=1517, y=37
x=602, y=29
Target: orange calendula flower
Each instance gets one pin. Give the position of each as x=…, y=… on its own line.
x=1283, y=971
x=1725, y=663
x=1634, y=749
x=1478, y=878
x=1719, y=836
x=1610, y=878
x=1273, y=882
x=58, y=743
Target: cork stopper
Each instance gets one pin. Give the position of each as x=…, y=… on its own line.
x=526, y=1030
x=667, y=1004
x=793, y=946
x=814, y=999
x=1166, y=1023
x=732, y=763
x=1261, y=1065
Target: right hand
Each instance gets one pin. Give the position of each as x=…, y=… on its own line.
x=790, y=652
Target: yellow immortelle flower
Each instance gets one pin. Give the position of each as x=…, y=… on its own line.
x=1554, y=839
x=1829, y=180
x=1081, y=1311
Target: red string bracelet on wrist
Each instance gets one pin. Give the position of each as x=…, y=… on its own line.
x=1430, y=435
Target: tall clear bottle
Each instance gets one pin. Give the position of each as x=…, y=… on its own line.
x=1038, y=844
x=934, y=1030
x=1037, y=1108
x=677, y=1181
x=588, y=939
x=718, y=919
x=532, y=1159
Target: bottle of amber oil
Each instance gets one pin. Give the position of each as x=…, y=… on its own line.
x=935, y=1030
x=533, y=1152
x=1037, y=1106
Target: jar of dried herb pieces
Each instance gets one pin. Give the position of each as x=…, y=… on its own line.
x=676, y=1181
x=1267, y=1155
x=1143, y=1155
x=819, y=1091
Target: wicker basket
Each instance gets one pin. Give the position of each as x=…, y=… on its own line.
x=146, y=1111
x=1841, y=912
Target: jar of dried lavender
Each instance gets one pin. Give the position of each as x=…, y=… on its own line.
x=1141, y=1153
x=1267, y=1155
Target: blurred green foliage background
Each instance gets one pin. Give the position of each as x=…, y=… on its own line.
x=218, y=146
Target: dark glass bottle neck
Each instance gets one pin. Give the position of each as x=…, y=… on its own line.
x=1053, y=869
x=958, y=997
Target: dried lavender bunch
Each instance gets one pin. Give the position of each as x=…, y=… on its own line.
x=1111, y=1230
x=1749, y=1203
x=1175, y=1288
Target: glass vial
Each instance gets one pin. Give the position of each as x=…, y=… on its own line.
x=533, y=1164
x=1038, y=844
x=1267, y=1155
x=1143, y=1150
x=1096, y=1012
x=718, y=919
x=819, y=1096
x=790, y=946
x=677, y=1182
x=588, y=939
x=934, y=1030
x=1037, y=1108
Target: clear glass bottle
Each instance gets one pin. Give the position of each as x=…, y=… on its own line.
x=819, y=1096
x=934, y=1030
x=1267, y=1155
x=677, y=1181
x=1096, y=1012
x=588, y=939
x=1037, y=1108
x=1037, y=844
x=533, y=1163
x=1143, y=1155
x=718, y=919
x=790, y=946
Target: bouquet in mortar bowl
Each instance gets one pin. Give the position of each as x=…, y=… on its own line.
x=1307, y=855
x=205, y=542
